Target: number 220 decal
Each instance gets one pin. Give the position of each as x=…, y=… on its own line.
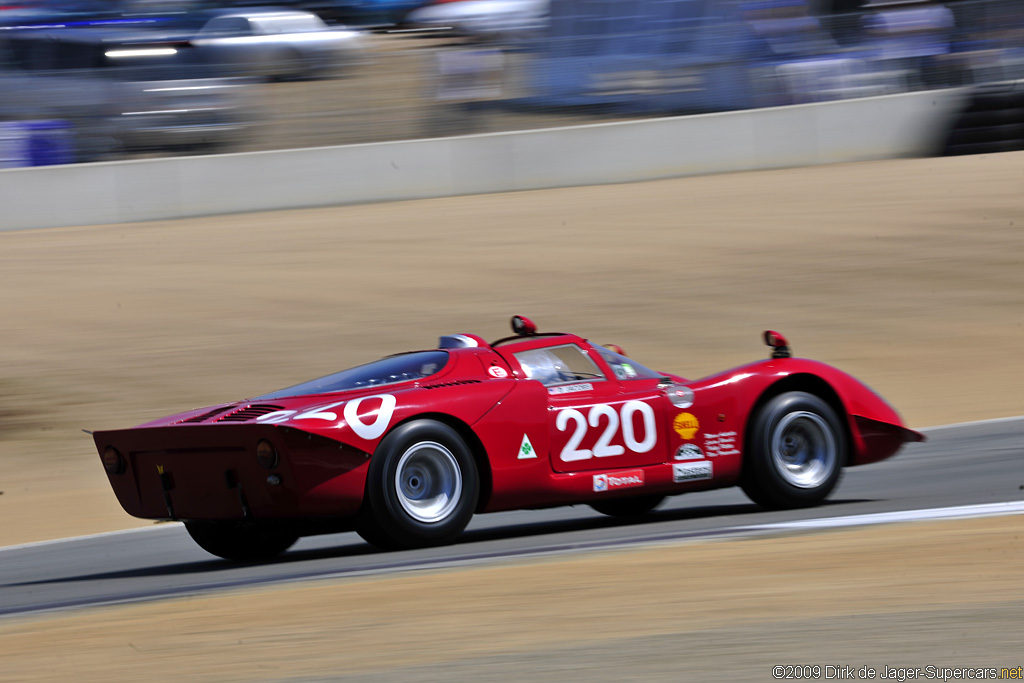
x=604, y=447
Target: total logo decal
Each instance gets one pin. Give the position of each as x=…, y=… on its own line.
x=351, y=413
x=692, y=471
x=621, y=480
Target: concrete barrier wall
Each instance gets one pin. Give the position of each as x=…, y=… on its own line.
x=912, y=124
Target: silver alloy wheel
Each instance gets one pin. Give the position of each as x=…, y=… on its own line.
x=803, y=449
x=428, y=482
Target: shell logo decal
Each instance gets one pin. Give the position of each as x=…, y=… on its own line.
x=686, y=425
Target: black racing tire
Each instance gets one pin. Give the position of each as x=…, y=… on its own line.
x=242, y=541
x=628, y=507
x=421, y=489
x=796, y=452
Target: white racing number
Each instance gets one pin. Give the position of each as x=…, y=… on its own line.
x=604, y=448
x=351, y=412
x=379, y=425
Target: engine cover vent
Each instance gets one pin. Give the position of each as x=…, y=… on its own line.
x=250, y=413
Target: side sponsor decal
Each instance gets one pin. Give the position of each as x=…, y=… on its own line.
x=691, y=471
x=526, y=449
x=722, y=443
x=497, y=371
x=686, y=425
x=571, y=388
x=689, y=451
x=620, y=480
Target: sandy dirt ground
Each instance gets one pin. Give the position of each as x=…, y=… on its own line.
x=908, y=274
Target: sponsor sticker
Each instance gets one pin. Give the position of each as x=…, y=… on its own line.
x=570, y=388
x=722, y=443
x=686, y=425
x=691, y=471
x=498, y=372
x=620, y=480
x=526, y=449
x=689, y=451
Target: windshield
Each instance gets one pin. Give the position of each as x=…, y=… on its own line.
x=403, y=368
x=557, y=364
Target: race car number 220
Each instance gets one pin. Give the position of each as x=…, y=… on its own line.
x=604, y=447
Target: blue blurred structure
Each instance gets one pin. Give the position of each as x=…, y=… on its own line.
x=35, y=143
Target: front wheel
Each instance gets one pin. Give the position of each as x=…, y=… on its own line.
x=796, y=450
x=421, y=489
x=242, y=541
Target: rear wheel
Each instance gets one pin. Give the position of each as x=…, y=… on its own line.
x=242, y=541
x=628, y=507
x=796, y=452
x=421, y=489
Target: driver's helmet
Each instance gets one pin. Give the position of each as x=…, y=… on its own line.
x=543, y=366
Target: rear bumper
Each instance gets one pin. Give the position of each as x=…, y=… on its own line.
x=210, y=472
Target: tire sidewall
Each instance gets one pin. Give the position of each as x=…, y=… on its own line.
x=762, y=465
x=382, y=485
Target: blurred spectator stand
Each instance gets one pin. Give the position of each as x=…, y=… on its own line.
x=911, y=35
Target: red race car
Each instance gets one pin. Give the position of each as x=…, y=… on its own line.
x=406, y=449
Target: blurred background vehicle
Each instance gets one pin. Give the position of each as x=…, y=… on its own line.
x=271, y=43
x=113, y=96
x=583, y=61
x=483, y=18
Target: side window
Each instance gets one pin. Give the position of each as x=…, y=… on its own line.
x=558, y=365
x=240, y=26
x=625, y=368
x=227, y=26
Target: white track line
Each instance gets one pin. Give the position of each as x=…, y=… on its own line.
x=957, y=512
